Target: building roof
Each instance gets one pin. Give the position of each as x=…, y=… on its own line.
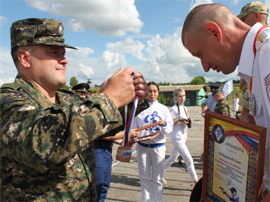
x=186, y=88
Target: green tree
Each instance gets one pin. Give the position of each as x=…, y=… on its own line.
x=89, y=81
x=65, y=87
x=73, y=81
x=161, y=99
x=198, y=80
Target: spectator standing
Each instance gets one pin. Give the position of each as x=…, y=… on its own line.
x=168, y=101
x=236, y=103
x=179, y=133
x=151, y=153
x=103, y=151
x=81, y=89
x=222, y=106
x=88, y=94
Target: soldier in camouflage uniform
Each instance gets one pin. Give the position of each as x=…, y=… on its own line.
x=250, y=14
x=222, y=106
x=47, y=135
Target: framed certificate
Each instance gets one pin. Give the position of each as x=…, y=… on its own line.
x=233, y=159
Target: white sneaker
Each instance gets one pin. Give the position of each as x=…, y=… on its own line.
x=164, y=182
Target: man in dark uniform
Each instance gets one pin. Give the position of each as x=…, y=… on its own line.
x=89, y=93
x=81, y=89
x=222, y=106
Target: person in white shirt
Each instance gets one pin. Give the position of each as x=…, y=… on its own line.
x=179, y=134
x=222, y=41
x=151, y=153
x=236, y=103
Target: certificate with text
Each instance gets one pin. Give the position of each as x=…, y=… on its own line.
x=233, y=159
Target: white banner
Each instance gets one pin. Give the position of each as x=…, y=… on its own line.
x=227, y=88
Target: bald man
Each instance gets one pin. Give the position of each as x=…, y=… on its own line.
x=212, y=33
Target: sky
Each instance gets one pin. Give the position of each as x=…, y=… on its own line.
x=110, y=34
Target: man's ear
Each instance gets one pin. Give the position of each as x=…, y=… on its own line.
x=214, y=30
x=24, y=58
x=258, y=16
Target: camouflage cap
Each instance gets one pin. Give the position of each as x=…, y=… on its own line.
x=214, y=92
x=253, y=7
x=35, y=31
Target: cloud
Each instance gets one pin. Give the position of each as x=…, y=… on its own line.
x=195, y=3
x=8, y=70
x=3, y=20
x=128, y=46
x=267, y=3
x=176, y=20
x=106, y=17
x=98, y=69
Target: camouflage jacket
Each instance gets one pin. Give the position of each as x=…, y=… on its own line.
x=47, y=151
x=223, y=108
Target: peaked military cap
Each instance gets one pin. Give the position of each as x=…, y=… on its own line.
x=83, y=87
x=253, y=7
x=35, y=31
x=214, y=86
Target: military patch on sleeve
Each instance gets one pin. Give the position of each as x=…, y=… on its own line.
x=260, y=39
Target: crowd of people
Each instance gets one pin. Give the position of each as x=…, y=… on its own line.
x=56, y=145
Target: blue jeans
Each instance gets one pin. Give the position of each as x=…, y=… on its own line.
x=103, y=158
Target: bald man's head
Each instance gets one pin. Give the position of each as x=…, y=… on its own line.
x=202, y=14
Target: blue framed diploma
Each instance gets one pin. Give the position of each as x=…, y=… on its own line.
x=233, y=159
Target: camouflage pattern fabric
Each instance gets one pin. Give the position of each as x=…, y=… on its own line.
x=244, y=101
x=253, y=7
x=223, y=108
x=35, y=31
x=47, y=151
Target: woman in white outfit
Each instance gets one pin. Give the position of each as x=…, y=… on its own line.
x=151, y=153
x=179, y=133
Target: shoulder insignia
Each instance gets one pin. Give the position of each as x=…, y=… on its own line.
x=14, y=86
x=261, y=39
x=65, y=91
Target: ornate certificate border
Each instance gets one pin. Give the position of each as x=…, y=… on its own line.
x=233, y=159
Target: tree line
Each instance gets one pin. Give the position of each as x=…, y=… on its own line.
x=199, y=80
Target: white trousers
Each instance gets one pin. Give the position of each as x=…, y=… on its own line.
x=180, y=147
x=150, y=166
x=235, y=110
